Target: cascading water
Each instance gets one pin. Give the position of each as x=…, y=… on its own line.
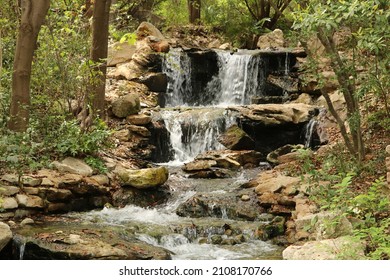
x=195, y=130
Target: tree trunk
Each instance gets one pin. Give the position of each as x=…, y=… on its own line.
x=33, y=15
x=100, y=24
x=194, y=11
x=348, y=90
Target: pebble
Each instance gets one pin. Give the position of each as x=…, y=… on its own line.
x=27, y=221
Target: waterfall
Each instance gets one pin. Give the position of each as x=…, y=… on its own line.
x=177, y=67
x=238, y=78
x=195, y=131
x=309, y=131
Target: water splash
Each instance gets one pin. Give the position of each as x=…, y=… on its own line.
x=239, y=78
x=195, y=131
x=309, y=131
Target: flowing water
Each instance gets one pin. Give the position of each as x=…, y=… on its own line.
x=193, y=124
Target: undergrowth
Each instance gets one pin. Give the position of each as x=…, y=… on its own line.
x=334, y=186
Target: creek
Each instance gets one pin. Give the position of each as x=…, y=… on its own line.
x=202, y=86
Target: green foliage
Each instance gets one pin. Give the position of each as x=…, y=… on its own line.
x=72, y=140
x=96, y=163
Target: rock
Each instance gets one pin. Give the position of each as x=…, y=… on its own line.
x=304, y=98
x=30, y=190
x=143, y=178
x=324, y=225
x=220, y=205
x=30, y=181
x=214, y=44
x=140, y=130
x=122, y=135
x=141, y=119
x=274, y=39
x=54, y=194
x=234, y=138
x=73, y=165
x=156, y=82
x=225, y=46
x=388, y=149
x=47, y=182
x=274, y=182
x=8, y=203
x=8, y=190
x=159, y=46
x=29, y=201
x=120, y=53
x=146, y=29
x=277, y=114
x=199, y=165
x=345, y=247
x=245, y=197
x=10, y=178
x=59, y=207
x=101, y=179
x=126, y=105
x=274, y=156
x=5, y=235
x=303, y=207
x=140, y=197
x=27, y=221
x=232, y=159
x=285, y=83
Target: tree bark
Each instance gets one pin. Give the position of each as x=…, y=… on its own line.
x=194, y=11
x=33, y=15
x=100, y=24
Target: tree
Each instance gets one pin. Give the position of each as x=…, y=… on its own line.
x=266, y=12
x=194, y=11
x=368, y=39
x=99, y=49
x=33, y=15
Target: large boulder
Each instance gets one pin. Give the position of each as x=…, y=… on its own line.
x=324, y=225
x=146, y=29
x=73, y=165
x=126, y=105
x=120, y=53
x=329, y=249
x=274, y=39
x=5, y=235
x=143, y=178
x=235, y=138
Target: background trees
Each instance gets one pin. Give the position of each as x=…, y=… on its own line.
x=366, y=39
x=32, y=17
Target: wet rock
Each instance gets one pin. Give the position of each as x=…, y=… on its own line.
x=285, y=83
x=5, y=235
x=274, y=39
x=344, y=247
x=29, y=201
x=126, y=105
x=143, y=178
x=58, y=207
x=199, y=165
x=216, y=239
x=140, y=197
x=56, y=242
x=73, y=165
x=223, y=205
x=234, y=138
x=156, y=82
